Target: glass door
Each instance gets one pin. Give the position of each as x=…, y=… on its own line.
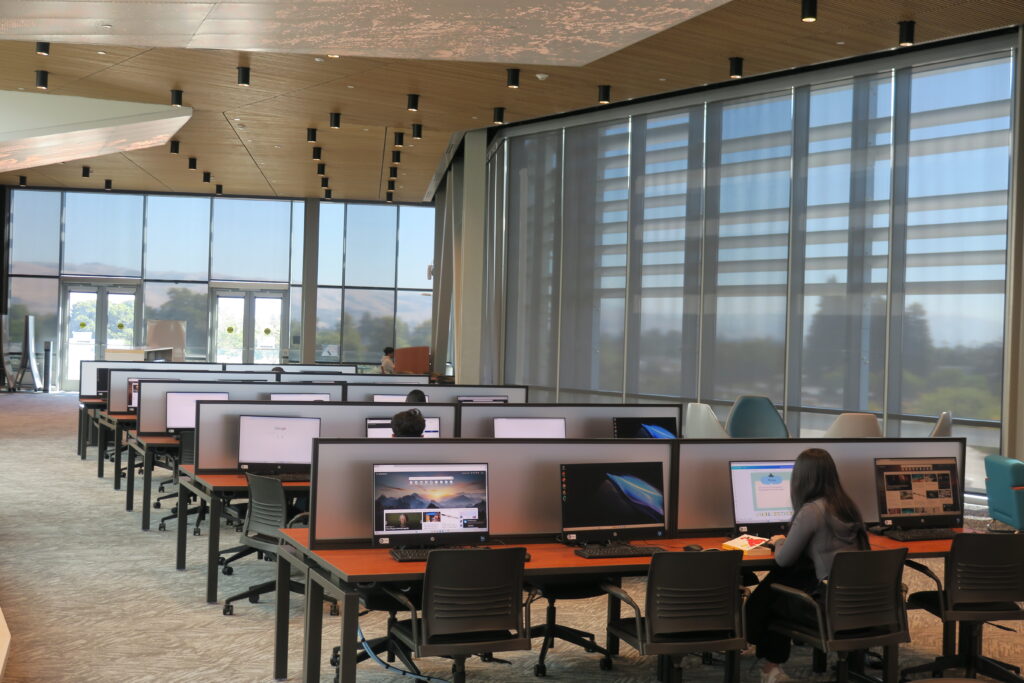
x=97, y=317
x=247, y=326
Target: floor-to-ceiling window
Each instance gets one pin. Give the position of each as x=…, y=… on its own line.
x=837, y=242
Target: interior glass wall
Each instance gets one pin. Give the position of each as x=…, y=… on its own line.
x=838, y=245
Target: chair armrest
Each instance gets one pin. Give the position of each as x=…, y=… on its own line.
x=531, y=596
x=804, y=597
x=617, y=592
x=917, y=566
x=404, y=600
x=296, y=518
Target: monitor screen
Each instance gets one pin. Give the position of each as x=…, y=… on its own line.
x=644, y=428
x=760, y=495
x=271, y=444
x=390, y=398
x=529, y=428
x=919, y=492
x=300, y=397
x=133, y=392
x=380, y=428
x=482, y=399
x=181, y=406
x=601, y=501
x=429, y=504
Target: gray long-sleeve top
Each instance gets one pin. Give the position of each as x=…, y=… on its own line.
x=817, y=534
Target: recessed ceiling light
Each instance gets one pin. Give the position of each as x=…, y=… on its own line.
x=277, y=146
x=106, y=26
x=474, y=118
x=840, y=42
x=350, y=86
x=542, y=77
x=318, y=59
x=333, y=56
x=236, y=119
x=662, y=79
x=101, y=52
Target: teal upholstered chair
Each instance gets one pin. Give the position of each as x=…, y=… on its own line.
x=1004, y=484
x=755, y=417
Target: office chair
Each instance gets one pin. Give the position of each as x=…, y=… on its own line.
x=694, y=604
x=472, y=604
x=702, y=423
x=552, y=589
x=267, y=512
x=1004, y=486
x=862, y=608
x=755, y=417
x=983, y=583
x=854, y=426
x=943, y=425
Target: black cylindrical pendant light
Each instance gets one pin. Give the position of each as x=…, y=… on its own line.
x=311, y=135
x=176, y=96
x=391, y=184
x=325, y=182
x=206, y=176
x=317, y=153
x=193, y=163
x=417, y=131
x=219, y=190
x=43, y=49
x=412, y=102
x=396, y=157
x=512, y=80
x=735, y=67
x=335, y=119
x=499, y=116
x=399, y=139
x=604, y=94
x=393, y=172
x=86, y=171
x=243, y=76
x=175, y=146
x=108, y=184
x=22, y=181
x=389, y=197
x=321, y=169
x=42, y=79
x=809, y=11
x=328, y=194
x=906, y=33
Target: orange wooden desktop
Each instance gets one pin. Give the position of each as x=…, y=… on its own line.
x=144, y=446
x=118, y=423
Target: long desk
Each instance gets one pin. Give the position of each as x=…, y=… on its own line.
x=335, y=572
x=87, y=409
x=117, y=424
x=146, y=447
x=212, y=489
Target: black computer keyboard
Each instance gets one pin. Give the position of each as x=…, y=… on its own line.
x=291, y=476
x=920, y=534
x=619, y=550
x=420, y=554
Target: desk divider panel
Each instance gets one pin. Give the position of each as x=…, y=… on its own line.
x=524, y=484
x=388, y=379
x=152, y=410
x=217, y=424
x=437, y=393
x=288, y=368
x=88, y=369
x=117, y=399
x=705, y=492
x=314, y=377
x=582, y=420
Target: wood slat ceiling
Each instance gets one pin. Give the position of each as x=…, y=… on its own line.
x=253, y=139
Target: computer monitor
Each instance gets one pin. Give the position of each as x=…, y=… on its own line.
x=300, y=397
x=482, y=399
x=644, y=428
x=274, y=445
x=181, y=407
x=612, y=501
x=919, y=492
x=380, y=428
x=429, y=504
x=393, y=398
x=529, y=428
x=760, y=496
x=133, y=393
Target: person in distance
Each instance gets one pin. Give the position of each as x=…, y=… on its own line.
x=408, y=424
x=387, y=361
x=825, y=521
x=416, y=396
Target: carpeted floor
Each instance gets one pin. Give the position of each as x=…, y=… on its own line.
x=89, y=597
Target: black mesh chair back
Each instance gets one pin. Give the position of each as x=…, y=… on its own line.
x=472, y=591
x=865, y=591
x=985, y=568
x=693, y=592
x=268, y=506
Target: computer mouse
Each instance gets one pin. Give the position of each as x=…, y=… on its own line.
x=694, y=547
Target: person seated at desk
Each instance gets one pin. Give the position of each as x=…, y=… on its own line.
x=826, y=521
x=416, y=396
x=408, y=424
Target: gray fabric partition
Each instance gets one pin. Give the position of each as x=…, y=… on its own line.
x=705, y=491
x=117, y=399
x=260, y=367
x=523, y=478
x=390, y=379
x=582, y=421
x=217, y=424
x=152, y=410
x=438, y=393
x=87, y=383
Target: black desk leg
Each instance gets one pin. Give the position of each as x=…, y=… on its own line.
x=614, y=609
x=313, y=631
x=213, y=549
x=283, y=597
x=101, y=449
x=182, y=523
x=83, y=421
x=349, y=606
x=147, y=487
x=129, y=481
x=118, y=436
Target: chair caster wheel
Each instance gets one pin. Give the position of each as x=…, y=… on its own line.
x=160, y=488
x=335, y=659
x=334, y=609
x=227, y=570
x=254, y=599
x=539, y=670
x=605, y=664
x=229, y=609
x=196, y=532
x=156, y=505
x=162, y=527
x=221, y=561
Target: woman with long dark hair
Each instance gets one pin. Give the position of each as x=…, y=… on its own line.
x=825, y=522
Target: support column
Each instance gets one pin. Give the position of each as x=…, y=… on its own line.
x=310, y=259
x=470, y=259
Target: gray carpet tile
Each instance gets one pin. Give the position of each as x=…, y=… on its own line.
x=89, y=597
